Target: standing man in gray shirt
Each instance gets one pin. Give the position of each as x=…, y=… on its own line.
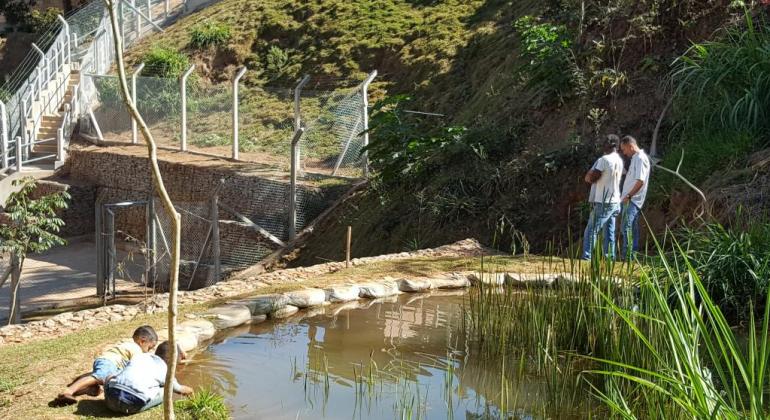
x=604, y=177
x=633, y=195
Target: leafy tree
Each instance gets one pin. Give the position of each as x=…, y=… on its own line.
x=16, y=11
x=33, y=227
x=40, y=21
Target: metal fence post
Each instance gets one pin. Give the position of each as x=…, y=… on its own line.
x=167, y=7
x=149, y=11
x=111, y=254
x=365, y=119
x=138, y=23
x=23, y=121
x=236, y=139
x=293, y=183
x=215, y=250
x=95, y=58
x=297, y=101
x=99, y=229
x=134, y=130
x=59, y=144
x=151, y=236
x=122, y=23
x=66, y=26
x=39, y=70
x=4, y=134
x=18, y=153
x=183, y=87
x=298, y=111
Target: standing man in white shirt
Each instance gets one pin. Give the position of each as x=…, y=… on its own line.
x=633, y=196
x=604, y=199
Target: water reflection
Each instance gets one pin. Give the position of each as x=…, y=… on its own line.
x=403, y=357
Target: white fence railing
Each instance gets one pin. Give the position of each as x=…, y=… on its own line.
x=81, y=41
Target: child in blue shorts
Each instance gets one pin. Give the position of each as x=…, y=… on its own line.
x=109, y=364
x=140, y=385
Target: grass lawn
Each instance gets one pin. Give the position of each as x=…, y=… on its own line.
x=32, y=374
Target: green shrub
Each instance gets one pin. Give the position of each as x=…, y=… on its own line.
x=165, y=62
x=203, y=405
x=733, y=262
x=546, y=46
x=210, y=34
x=40, y=21
x=277, y=62
x=722, y=98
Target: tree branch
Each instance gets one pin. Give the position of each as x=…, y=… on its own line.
x=168, y=205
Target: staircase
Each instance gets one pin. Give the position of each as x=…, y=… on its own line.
x=44, y=152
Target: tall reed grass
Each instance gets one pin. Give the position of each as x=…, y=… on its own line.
x=648, y=342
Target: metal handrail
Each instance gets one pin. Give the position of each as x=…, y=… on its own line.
x=63, y=49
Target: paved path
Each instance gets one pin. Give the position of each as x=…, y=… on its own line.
x=60, y=277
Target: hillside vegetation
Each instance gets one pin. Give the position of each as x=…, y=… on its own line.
x=525, y=88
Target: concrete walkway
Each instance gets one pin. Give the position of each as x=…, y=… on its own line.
x=62, y=277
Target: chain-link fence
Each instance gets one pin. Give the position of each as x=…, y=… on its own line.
x=232, y=230
x=334, y=125
x=266, y=125
x=333, y=120
x=210, y=119
x=135, y=242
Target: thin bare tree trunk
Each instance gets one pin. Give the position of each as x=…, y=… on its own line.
x=157, y=179
x=14, y=317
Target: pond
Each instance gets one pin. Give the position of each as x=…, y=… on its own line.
x=404, y=357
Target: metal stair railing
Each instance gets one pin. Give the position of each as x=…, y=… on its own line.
x=82, y=40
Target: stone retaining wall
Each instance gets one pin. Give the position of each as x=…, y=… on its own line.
x=79, y=216
x=70, y=322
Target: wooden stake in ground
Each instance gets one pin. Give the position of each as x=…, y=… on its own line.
x=160, y=188
x=347, y=247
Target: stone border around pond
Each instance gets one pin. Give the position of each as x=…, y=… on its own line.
x=69, y=322
x=196, y=332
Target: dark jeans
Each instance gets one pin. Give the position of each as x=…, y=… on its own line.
x=124, y=402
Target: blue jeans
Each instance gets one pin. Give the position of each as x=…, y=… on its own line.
x=124, y=402
x=104, y=368
x=602, y=218
x=629, y=230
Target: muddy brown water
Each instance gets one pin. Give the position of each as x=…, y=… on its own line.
x=404, y=357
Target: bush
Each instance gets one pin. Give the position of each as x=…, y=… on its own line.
x=165, y=62
x=734, y=263
x=203, y=405
x=210, y=34
x=40, y=21
x=722, y=98
x=550, y=66
x=277, y=62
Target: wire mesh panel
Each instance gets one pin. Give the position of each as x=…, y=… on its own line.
x=266, y=125
x=85, y=21
x=199, y=246
x=210, y=119
x=333, y=122
x=159, y=101
x=109, y=110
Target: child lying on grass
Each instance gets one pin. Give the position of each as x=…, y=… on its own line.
x=109, y=363
x=139, y=386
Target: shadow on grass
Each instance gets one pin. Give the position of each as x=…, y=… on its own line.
x=95, y=408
